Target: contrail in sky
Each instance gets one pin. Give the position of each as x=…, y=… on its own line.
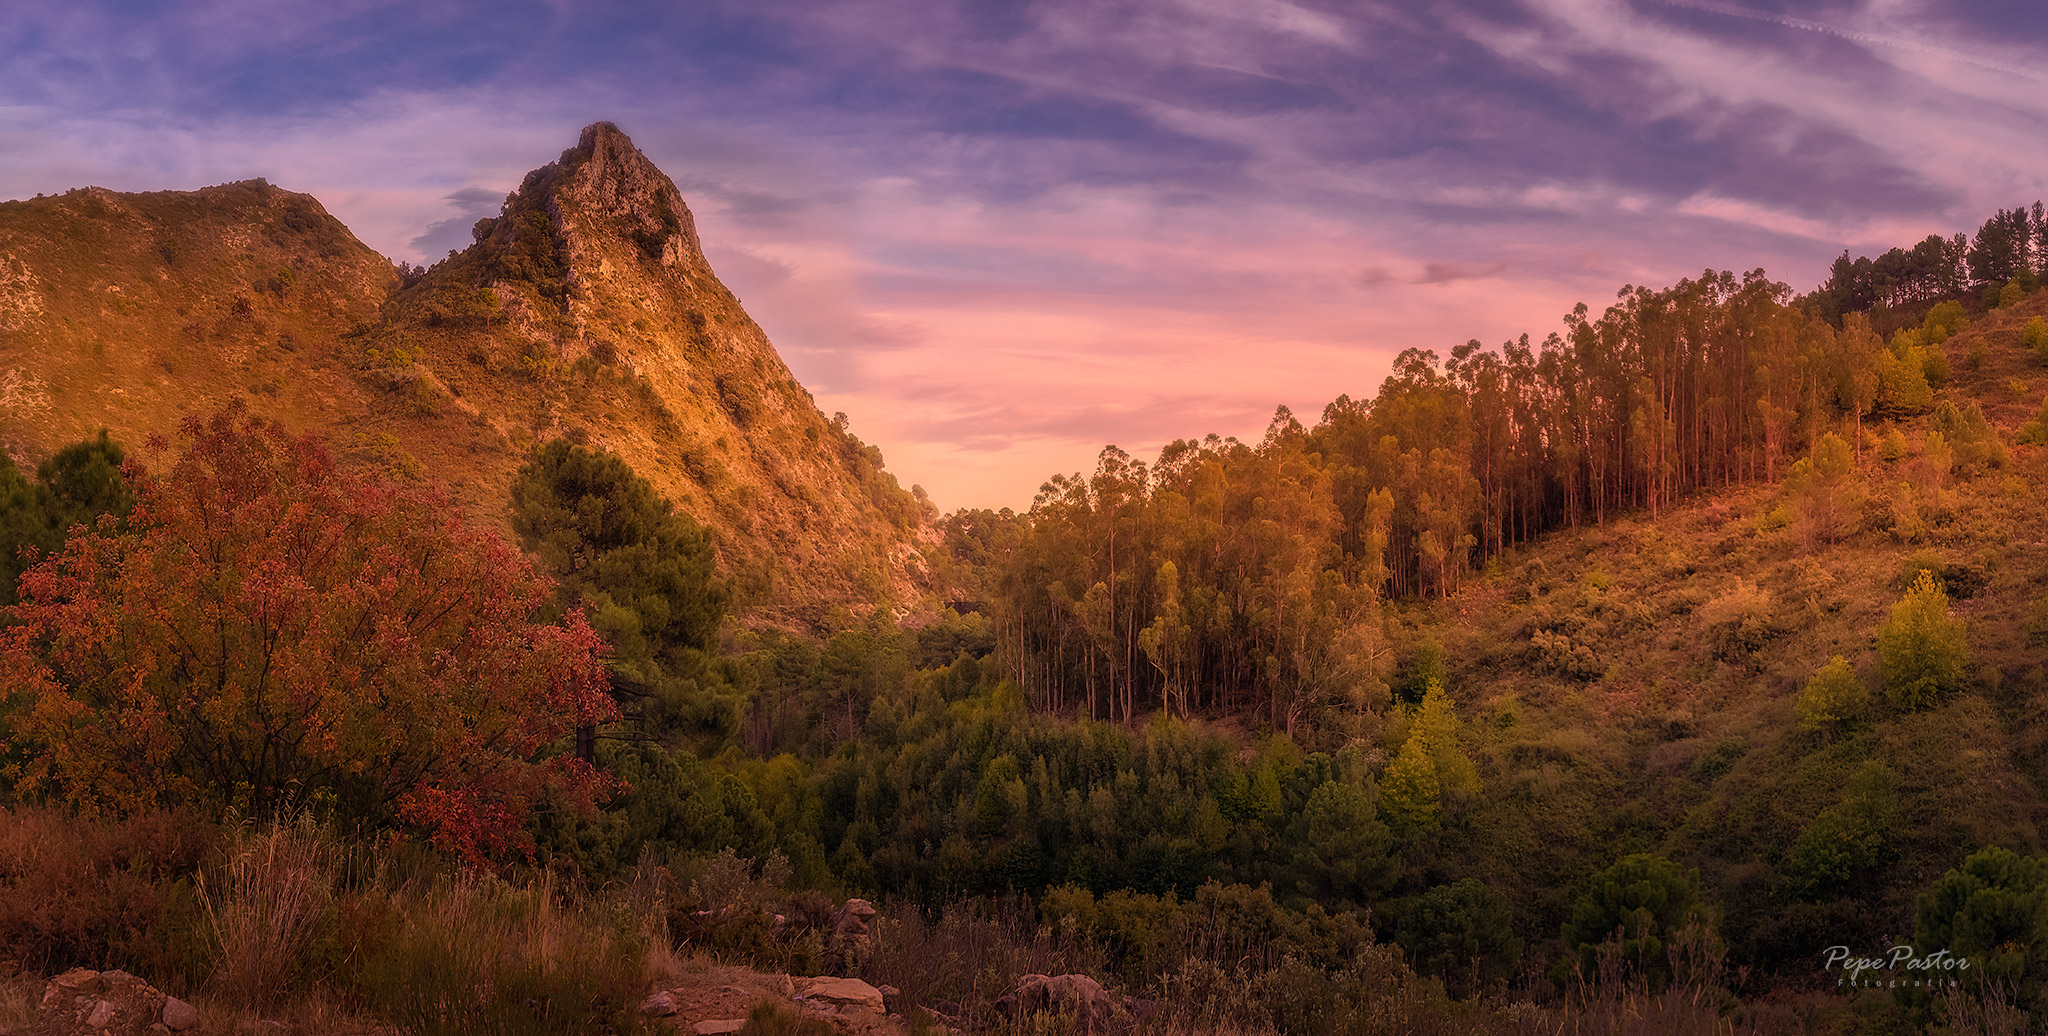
x=1853, y=35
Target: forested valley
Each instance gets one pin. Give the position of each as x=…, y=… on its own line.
x=1602, y=682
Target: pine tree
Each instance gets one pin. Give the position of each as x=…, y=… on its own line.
x=1644, y=900
x=1824, y=489
x=1410, y=790
x=1993, y=910
x=1343, y=852
x=646, y=575
x=1437, y=720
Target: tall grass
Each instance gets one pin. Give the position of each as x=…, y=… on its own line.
x=265, y=905
x=960, y=963
x=285, y=915
x=472, y=953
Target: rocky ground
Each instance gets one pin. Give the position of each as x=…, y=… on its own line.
x=690, y=995
x=718, y=998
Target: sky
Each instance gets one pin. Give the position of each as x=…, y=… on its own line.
x=1001, y=234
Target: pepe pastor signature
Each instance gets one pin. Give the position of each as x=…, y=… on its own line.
x=1921, y=968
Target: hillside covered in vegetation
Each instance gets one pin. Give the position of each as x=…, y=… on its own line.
x=1601, y=683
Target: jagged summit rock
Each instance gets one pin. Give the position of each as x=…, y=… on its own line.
x=615, y=181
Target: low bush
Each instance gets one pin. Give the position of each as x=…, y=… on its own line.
x=2035, y=335
x=1738, y=622
x=78, y=892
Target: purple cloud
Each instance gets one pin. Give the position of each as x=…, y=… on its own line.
x=1002, y=235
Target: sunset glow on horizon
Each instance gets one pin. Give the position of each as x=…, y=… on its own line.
x=1002, y=235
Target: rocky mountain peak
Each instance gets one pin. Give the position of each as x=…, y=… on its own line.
x=606, y=188
x=584, y=310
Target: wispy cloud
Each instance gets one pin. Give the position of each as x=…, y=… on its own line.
x=1451, y=273
x=1001, y=235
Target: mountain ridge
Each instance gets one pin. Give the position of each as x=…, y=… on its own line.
x=586, y=310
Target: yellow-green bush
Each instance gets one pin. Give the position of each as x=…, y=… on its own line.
x=1922, y=651
x=1835, y=695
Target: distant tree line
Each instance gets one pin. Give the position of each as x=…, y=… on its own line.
x=1242, y=577
x=2011, y=246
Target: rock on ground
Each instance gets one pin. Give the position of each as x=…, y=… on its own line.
x=843, y=993
x=716, y=995
x=108, y=1003
x=658, y=1005
x=179, y=1015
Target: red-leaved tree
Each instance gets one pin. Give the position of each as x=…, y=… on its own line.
x=270, y=631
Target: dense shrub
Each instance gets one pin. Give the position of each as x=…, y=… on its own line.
x=1922, y=653
x=1640, y=903
x=2035, y=431
x=1849, y=841
x=1738, y=622
x=100, y=893
x=1562, y=654
x=272, y=631
x=1994, y=911
x=1833, y=697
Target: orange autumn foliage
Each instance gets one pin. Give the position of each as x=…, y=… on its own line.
x=270, y=631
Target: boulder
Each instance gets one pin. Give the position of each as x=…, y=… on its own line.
x=179, y=1015
x=114, y=1003
x=721, y=1026
x=1078, y=995
x=842, y=993
x=852, y=941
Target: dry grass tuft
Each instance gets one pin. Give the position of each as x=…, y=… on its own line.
x=265, y=905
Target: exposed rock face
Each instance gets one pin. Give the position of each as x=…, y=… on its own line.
x=586, y=309
x=631, y=198
x=600, y=280
x=852, y=942
x=81, y=1002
